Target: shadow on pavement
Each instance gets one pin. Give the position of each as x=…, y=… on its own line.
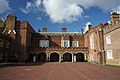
x=2, y=65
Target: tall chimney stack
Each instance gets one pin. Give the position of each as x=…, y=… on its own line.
x=11, y=21
x=115, y=16
x=89, y=26
x=44, y=30
x=64, y=29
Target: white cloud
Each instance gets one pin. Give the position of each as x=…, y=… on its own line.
x=34, y=6
x=62, y=10
x=86, y=26
x=24, y=11
x=68, y=10
x=4, y=6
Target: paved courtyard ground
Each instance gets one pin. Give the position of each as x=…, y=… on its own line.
x=59, y=71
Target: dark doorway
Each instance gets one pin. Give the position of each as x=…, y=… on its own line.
x=67, y=57
x=41, y=57
x=79, y=57
x=54, y=57
x=31, y=57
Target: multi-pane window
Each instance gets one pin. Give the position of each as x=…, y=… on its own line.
x=66, y=43
x=108, y=39
x=92, y=41
x=44, y=43
x=75, y=44
x=109, y=54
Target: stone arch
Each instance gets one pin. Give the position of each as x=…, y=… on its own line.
x=54, y=57
x=67, y=57
x=80, y=57
x=41, y=57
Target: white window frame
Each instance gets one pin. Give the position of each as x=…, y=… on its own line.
x=43, y=43
x=75, y=42
x=68, y=43
x=92, y=41
x=109, y=54
x=108, y=39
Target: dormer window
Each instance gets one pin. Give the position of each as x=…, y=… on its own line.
x=66, y=43
x=75, y=44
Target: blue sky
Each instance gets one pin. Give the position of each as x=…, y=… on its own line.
x=55, y=14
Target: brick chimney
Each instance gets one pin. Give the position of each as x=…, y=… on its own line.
x=38, y=29
x=82, y=32
x=115, y=16
x=89, y=26
x=64, y=29
x=11, y=21
x=44, y=30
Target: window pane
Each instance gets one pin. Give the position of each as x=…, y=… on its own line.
x=66, y=43
x=108, y=39
x=92, y=41
x=74, y=43
x=44, y=43
x=109, y=54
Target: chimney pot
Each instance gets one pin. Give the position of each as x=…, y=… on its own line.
x=64, y=29
x=115, y=17
x=44, y=30
x=89, y=26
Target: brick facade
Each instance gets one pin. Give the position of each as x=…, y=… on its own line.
x=113, y=30
x=28, y=45
x=20, y=37
x=55, y=45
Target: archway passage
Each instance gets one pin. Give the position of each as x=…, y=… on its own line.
x=54, y=57
x=79, y=57
x=31, y=57
x=41, y=57
x=67, y=57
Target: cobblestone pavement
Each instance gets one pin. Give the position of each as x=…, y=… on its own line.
x=59, y=71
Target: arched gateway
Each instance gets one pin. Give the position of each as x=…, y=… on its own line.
x=79, y=57
x=41, y=57
x=67, y=57
x=54, y=57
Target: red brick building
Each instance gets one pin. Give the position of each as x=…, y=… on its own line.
x=20, y=42
x=20, y=37
x=103, y=41
x=111, y=34
x=58, y=46
x=95, y=43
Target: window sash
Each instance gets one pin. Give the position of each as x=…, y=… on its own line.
x=109, y=54
x=92, y=41
x=108, y=40
x=75, y=44
x=66, y=43
x=44, y=43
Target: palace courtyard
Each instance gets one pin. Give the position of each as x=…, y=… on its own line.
x=58, y=71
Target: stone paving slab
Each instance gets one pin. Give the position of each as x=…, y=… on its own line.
x=59, y=71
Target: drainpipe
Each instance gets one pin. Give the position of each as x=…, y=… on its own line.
x=101, y=44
